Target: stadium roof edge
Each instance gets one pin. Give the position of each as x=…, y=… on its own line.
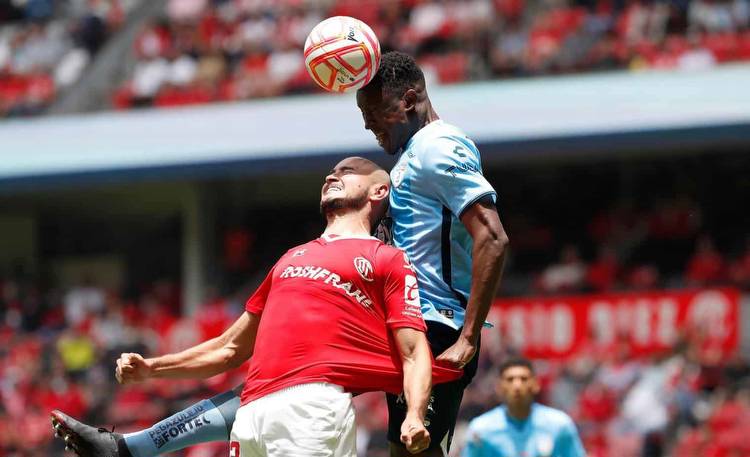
x=583, y=114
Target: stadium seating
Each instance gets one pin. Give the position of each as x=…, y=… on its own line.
x=677, y=232
x=224, y=50
x=45, y=46
x=251, y=50
x=58, y=345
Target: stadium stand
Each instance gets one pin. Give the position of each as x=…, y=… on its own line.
x=59, y=344
x=226, y=50
x=46, y=45
x=200, y=51
x=671, y=222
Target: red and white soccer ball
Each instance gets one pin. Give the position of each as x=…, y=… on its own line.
x=342, y=54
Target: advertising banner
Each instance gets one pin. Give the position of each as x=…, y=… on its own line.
x=559, y=327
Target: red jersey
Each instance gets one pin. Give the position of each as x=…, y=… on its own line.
x=328, y=310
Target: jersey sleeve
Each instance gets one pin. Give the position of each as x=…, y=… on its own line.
x=569, y=442
x=400, y=291
x=257, y=300
x=454, y=172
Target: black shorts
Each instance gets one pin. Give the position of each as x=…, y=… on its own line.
x=445, y=399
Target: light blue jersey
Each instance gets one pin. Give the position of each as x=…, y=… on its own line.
x=438, y=176
x=547, y=432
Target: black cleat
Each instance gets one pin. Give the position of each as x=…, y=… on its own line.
x=84, y=440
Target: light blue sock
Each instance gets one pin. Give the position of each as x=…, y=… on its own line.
x=203, y=422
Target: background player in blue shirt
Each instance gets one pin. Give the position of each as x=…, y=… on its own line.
x=520, y=427
x=444, y=217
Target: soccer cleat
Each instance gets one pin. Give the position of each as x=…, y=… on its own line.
x=84, y=440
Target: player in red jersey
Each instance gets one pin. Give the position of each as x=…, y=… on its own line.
x=336, y=316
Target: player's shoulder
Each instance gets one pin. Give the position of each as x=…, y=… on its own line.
x=305, y=245
x=300, y=249
x=489, y=420
x=444, y=134
x=369, y=246
x=448, y=130
x=445, y=142
x=386, y=252
x=552, y=416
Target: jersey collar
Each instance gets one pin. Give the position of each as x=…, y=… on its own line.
x=420, y=132
x=331, y=238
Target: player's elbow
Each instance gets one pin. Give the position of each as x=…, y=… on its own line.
x=233, y=358
x=231, y=362
x=502, y=240
x=496, y=241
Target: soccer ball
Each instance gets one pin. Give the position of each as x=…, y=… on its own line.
x=342, y=54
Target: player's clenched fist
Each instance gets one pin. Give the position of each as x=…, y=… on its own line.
x=132, y=368
x=414, y=435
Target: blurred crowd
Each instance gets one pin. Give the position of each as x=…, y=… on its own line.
x=58, y=349
x=211, y=50
x=201, y=51
x=45, y=45
x=665, y=249
x=661, y=243
x=58, y=345
x=706, y=267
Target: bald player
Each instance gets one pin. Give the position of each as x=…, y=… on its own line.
x=335, y=316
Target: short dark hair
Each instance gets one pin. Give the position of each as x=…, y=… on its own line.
x=516, y=362
x=397, y=73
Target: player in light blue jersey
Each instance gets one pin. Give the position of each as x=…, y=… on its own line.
x=436, y=179
x=522, y=427
x=444, y=216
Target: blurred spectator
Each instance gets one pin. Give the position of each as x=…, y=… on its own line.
x=706, y=267
x=643, y=277
x=718, y=15
x=597, y=405
x=619, y=370
x=603, y=271
x=82, y=301
x=696, y=57
x=739, y=269
x=76, y=350
x=620, y=226
x=509, y=49
x=567, y=275
x=185, y=10
x=646, y=407
x=674, y=219
x=643, y=22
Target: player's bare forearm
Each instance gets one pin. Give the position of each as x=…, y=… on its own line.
x=211, y=357
x=417, y=366
x=199, y=362
x=488, y=259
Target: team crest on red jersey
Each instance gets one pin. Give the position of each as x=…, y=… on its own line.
x=364, y=268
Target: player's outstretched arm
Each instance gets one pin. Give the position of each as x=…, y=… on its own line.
x=417, y=365
x=204, y=360
x=488, y=258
